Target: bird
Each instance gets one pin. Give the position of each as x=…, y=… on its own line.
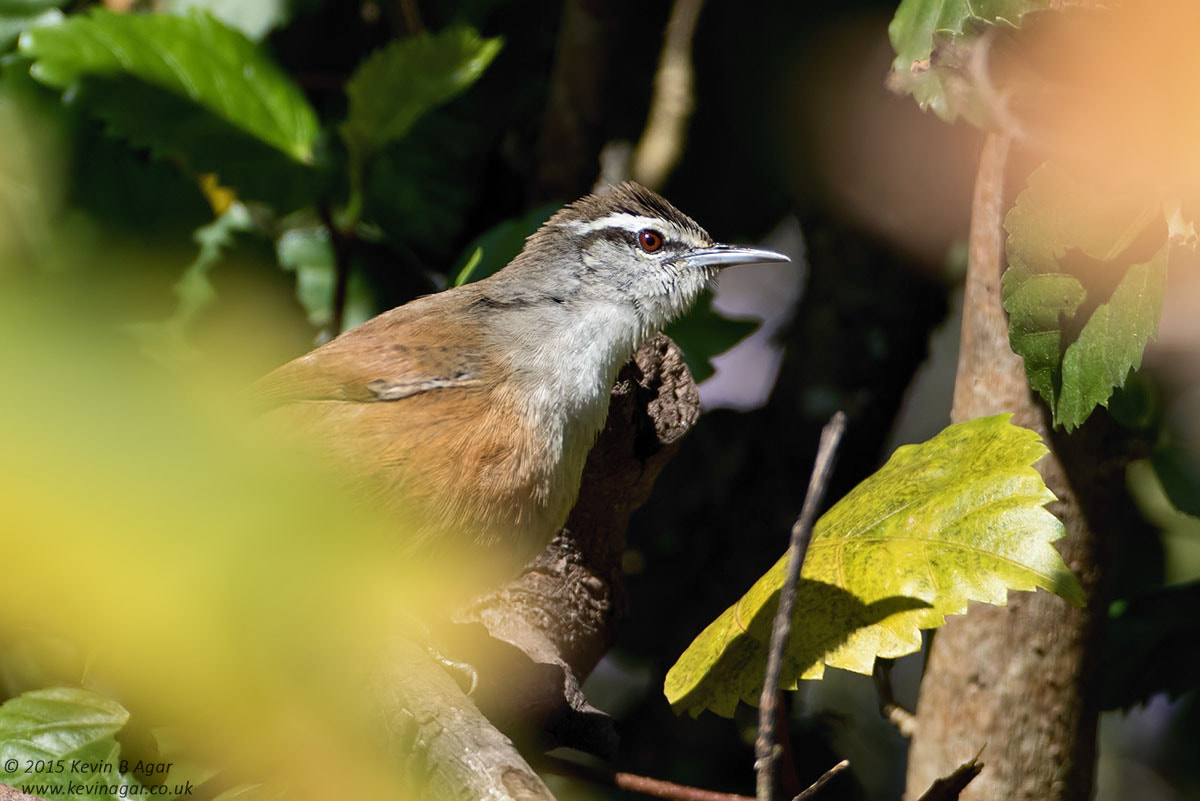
x=469, y=413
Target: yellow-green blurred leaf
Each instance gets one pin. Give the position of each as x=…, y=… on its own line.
x=213, y=579
x=959, y=518
x=167, y=340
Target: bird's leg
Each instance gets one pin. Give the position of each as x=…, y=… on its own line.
x=421, y=633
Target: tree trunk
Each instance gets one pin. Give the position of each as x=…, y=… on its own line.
x=1019, y=683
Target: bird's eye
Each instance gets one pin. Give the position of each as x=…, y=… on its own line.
x=650, y=240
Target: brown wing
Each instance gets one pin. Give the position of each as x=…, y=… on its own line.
x=404, y=352
x=424, y=425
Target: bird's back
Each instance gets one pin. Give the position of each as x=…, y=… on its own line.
x=425, y=429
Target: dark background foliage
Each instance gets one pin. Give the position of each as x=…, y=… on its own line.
x=791, y=120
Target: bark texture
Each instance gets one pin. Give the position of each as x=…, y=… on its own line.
x=1020, y=682
x=445, y=747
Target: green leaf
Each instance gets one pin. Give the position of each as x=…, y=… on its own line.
x=1055, y=216
x=1179, y=473
x=1112, y=342
x=918, y=24
x=309, y=253
x=63, y=740
x=500, y=245
x=392, y=88
x=189, y=86
x=959, y=518
x=1152, y=646
x=421, y=190
x=703, y=333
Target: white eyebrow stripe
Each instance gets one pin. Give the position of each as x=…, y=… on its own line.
x=623, y=221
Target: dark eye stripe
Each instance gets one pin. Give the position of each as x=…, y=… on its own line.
x=624, y=236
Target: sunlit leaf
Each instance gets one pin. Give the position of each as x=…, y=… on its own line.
x=62, y=741
x=309, y=254
x=402, y=81
x=959, y=518
x=188, y=86
x=1075, y=354
x=918, y=23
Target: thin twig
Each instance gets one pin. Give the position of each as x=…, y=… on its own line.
x=341, y=271
x=671, y=105
x=949, y=788
x=764, y=746
x=826, y=777
x=411, y=14
x=904, y=721
x=632, y=782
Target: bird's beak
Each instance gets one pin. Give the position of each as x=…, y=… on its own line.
x=720, y=256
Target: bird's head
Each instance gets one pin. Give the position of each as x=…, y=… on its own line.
x=630, y=247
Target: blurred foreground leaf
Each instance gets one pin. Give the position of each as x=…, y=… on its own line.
x=187, y=86
x=215, y=580
x=62, y=741
x=1075, y=354
x=959, y=518
x=167, y=340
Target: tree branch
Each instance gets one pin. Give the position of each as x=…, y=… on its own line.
x=341, y=271
x=764, y=746
x=825, y=778
x=445, y=746
x=632, y=782
x=904, y=721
